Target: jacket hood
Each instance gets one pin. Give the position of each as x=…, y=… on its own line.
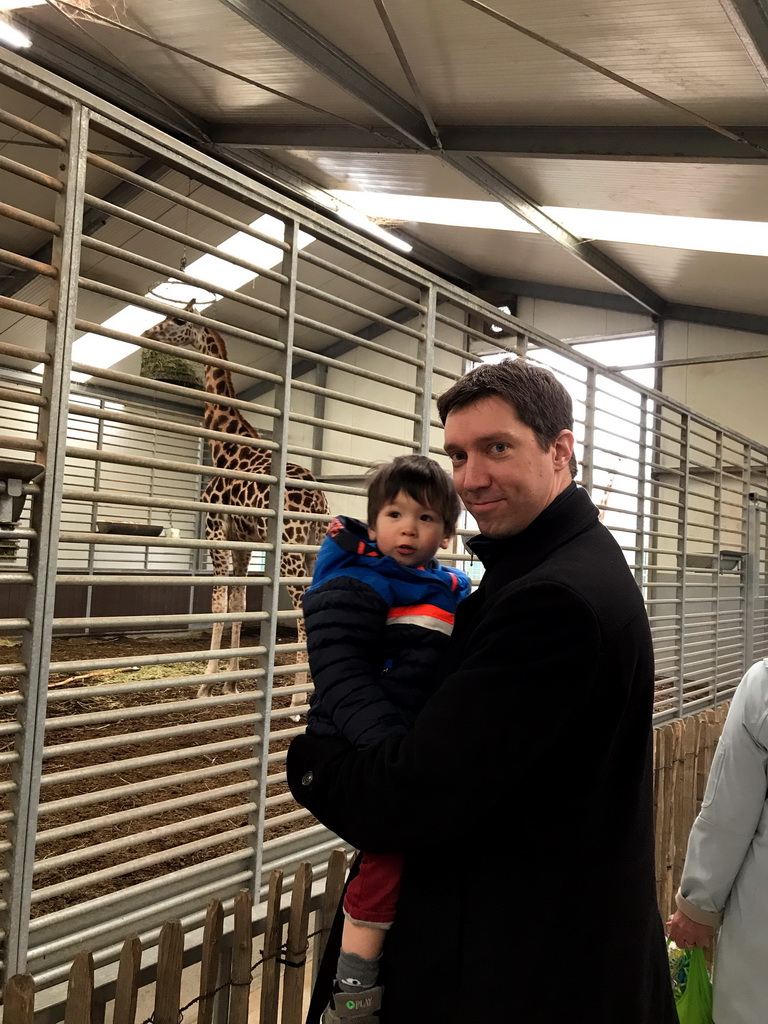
x=347, y=545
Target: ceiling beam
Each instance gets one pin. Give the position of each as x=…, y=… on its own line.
x=514, y=199
x=660, y=144
x=126, y=92
x=289, y=182
x=514, y=288
x=297, y=37
x=750, y=22
x=727, y=319
x=751, y=323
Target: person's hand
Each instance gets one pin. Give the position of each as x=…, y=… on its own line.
x=686, y=933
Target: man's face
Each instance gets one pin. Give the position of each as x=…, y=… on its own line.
x=504, y=477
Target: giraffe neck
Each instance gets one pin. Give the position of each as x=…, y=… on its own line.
x=218, y=381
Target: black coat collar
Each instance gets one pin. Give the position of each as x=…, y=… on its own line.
x=569, y=514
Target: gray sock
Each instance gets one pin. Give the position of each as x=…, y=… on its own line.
x=354, y=972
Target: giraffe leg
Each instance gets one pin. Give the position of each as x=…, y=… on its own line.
x=219, y=600
x=240, y=560
x=301, y=678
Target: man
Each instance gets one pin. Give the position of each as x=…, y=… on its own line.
x=522, y=799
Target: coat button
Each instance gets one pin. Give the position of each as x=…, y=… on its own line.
x=307, y=779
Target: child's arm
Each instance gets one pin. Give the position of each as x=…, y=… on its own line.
x=346, y=623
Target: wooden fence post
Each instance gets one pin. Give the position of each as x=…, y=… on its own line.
x=209, y=960
x=297, y=945
x=242, y=947
x=20, y=999
x=334, y=884
x=270, y=967
x=127, y=987
x=168, y=982
x=80, y=991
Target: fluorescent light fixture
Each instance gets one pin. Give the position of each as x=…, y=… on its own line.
x=703, y=234
x=12, y=36
x=104, y=352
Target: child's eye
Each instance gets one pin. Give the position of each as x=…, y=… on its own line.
x=428, y=518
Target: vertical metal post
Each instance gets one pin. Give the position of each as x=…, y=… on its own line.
x=44, y=519
x=685, y=444
x=318, y=431
x=97, y=471
x=642, y=487
x=588, y=461
x=271, y=593
x=422, y=430
x=751, y=580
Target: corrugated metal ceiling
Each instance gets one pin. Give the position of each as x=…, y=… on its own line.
x=657, y=106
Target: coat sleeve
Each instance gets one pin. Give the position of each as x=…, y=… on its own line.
x=479, y=743
x=733, y=803
x=346, y=621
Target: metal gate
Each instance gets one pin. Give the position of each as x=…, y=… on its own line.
x=127, y=798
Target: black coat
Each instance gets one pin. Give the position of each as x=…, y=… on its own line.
x=522, y=799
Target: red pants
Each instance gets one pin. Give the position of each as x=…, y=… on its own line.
x=371, y=896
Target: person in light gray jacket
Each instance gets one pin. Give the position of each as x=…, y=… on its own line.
x=725, y=877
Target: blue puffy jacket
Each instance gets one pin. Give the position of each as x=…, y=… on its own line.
x=376, y=635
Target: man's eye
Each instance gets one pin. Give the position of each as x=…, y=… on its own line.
x=499, y=447
x=456, y=457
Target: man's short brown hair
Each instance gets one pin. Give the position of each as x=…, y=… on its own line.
x=534, y=392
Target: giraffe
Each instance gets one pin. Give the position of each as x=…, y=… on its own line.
x=246, y=493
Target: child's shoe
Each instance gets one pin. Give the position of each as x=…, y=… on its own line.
x=361, y=1007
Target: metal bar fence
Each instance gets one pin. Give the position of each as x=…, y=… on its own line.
x=127, y=797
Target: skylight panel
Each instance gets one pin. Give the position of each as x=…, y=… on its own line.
x=703, y=234
x=96, y=350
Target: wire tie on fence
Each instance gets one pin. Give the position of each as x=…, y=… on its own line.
x=290, y=963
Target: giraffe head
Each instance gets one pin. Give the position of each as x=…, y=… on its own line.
x=177, y=330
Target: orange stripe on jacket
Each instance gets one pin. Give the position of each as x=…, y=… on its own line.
x=428, y=611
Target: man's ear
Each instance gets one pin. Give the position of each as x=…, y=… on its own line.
x=562, y=448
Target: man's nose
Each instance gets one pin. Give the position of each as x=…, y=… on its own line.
x=475, y=474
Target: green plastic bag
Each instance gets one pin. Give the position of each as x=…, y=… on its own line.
x=692, y=987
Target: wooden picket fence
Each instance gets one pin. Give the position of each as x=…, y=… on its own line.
x=683, y=752
x=283, y=962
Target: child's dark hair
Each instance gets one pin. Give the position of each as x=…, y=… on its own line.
x=422, y=479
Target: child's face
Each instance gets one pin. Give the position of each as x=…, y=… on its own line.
x=407, y=531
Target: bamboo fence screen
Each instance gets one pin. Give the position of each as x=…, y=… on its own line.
x=683, y=752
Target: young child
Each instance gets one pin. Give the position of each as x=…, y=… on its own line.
x=379, y=614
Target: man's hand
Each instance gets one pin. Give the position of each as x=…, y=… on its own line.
x=686, y=933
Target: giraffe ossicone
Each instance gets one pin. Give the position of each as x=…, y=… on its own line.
x=250, y=494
